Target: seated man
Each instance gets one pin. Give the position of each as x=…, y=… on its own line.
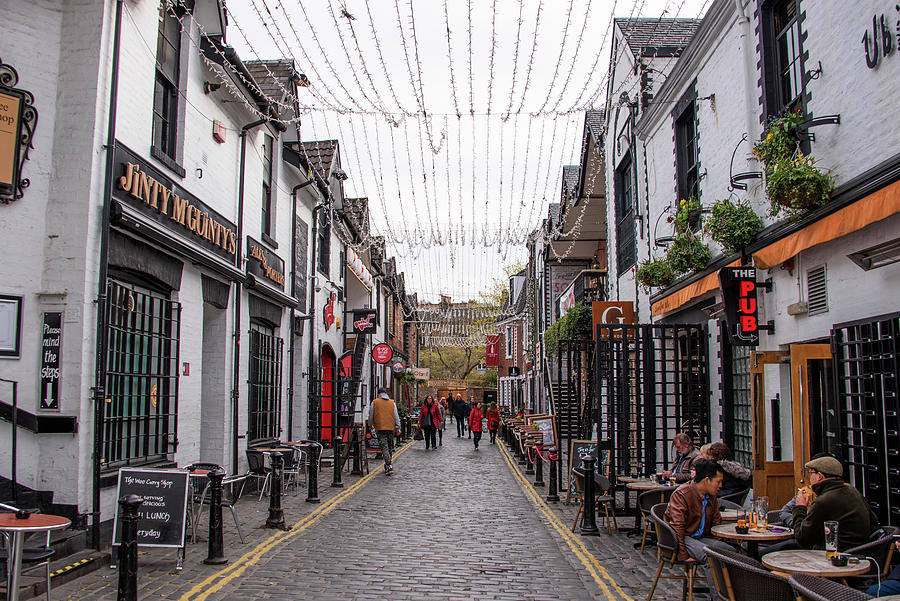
x=835, y=501
x=685, y=454
x=692, y=512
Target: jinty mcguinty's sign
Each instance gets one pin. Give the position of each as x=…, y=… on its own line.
x=143, y=187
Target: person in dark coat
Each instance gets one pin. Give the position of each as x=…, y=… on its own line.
x=737, y=477
x=459, y=412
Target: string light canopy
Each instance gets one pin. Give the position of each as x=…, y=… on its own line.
x=455, y=118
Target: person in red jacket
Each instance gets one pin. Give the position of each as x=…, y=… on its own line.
x=493, y=421
x=475, y=417
x=429, y=421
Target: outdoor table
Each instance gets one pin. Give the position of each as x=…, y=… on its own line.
x=753, y=538
x=806, y=561
x=888, y=598
x=640, y=486
x=627, y=479
x=17, y=529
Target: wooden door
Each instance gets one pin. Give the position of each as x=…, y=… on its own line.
x=802, y=392
x=773, y=461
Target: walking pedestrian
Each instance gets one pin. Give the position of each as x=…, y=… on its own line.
x=475, y=417
x=383, y=416
x=459, y=411
x=469, y=406
x=429, y=421
x=443, y=410
x=493, y=421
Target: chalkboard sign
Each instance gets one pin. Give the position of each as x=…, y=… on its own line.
x=547, y=425
x=579, y=448
x=161, y=520
x=301, y=240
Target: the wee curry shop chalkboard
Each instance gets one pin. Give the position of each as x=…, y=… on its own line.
x=162, y=514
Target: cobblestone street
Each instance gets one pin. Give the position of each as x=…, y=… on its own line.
x=451, y=524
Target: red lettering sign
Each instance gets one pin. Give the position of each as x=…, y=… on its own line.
x=492, y=350
x=382, y=353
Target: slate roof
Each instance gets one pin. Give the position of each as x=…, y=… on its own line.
x=595, y=123
x=320, y=156
x=570, y=176
x=356, y=211
x=275, y=79
x=650, y=34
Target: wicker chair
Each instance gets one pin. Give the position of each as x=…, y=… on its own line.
x=667, y=543
x=736, y=497
x=740, y=578
x=881, y=550
x=645, y=502
x=726, y=504
x=813, y=588
x=774, y=517
x=602, y=498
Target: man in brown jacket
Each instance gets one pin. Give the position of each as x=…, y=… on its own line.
x=384, y=417
x=692, y=512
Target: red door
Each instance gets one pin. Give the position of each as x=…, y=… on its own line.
x=327, y=407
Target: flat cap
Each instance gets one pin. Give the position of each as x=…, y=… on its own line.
x=826, y=465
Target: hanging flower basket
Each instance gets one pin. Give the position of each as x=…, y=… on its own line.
x=655, y=273
x=733, y=224
x=780, y=139
x=687, y=216
x=797, y=185
x=687, y=254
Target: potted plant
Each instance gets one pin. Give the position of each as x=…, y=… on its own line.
x=780, y=139
x=687, y=253
x=733, y=224
x=687, y=215
x=797, y=185
x=655, y=273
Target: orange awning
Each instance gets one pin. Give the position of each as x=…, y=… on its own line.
x=669, y=303
x=874, y=207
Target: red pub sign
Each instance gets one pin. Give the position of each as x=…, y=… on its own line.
x=382, y=353
x=741, y=307
x=492, y=350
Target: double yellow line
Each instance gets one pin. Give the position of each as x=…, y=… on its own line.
x=599, y=573
x=214, y=582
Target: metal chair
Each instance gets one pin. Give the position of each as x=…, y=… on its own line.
x=256, y=461
x=32, y=557
x=813, y=588
x=291, y=471
x=667, y=543
x=740, y=578
x=601, y=497
x=645, y=501
x=200, y=497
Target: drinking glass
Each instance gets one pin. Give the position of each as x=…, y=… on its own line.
x=762, y=513
x=751, y=515
x=741, y=526
x=831, y=539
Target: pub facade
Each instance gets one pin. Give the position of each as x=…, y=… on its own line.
x=817, y=370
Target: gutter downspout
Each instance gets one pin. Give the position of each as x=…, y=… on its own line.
x=312, y=298
x=100, y=342
x=749, y=66
x=290, y=420
x=236, y=334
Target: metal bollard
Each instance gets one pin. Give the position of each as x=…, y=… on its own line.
x=589, y=523
x=312, y=475
x=215, y=551
x=521, y=452
x=128, y=549
x=538, y=470
x=552, y=495
x=336, y=478
x=276, y=513
x=357, y=448
x=529, y=464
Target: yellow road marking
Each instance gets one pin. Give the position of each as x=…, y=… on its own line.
x=216, y=581
x=72, y=566
x=592, y=564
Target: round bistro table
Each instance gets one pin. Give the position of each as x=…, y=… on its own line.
x=644, y=485
x=18, y=528
x=753, y=538
x=806, y=561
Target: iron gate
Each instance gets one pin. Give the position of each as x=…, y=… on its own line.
x=867, y=359
x=573, y=388
x=651, y=382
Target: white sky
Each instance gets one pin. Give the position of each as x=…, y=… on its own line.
x=494, y=169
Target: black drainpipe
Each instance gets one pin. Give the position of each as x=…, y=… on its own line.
x=312, y=300
x=100, y=357
x=290, y=419
x=238, y=263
